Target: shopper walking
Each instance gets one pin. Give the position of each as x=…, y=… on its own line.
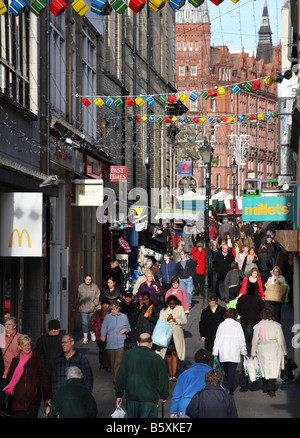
x=87, y=302
x=229, y=345
x=269, y=346
x=143, y=378
x=175, y=315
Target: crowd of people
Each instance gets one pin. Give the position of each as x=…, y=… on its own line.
x=237, y=322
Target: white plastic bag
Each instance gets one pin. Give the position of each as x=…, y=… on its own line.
x=118, y=413
x=252, y=368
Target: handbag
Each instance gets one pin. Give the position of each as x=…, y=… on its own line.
x=162, y=333
x=216, y=365
x=129, y=343
x=289, y=366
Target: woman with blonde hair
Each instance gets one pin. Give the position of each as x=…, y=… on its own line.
x=28, y=381
x=276, y=278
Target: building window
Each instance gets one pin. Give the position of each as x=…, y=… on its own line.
x=58, y=64
x=88, y=79
x=193, y=70
x=191, y=46
x=14, y=58
x=194, y=105
x=178, y=46
x=196, y=46
x=184, y=46
x=181, y=70
x=218, y=181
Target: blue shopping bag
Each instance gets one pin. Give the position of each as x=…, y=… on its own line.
x=162, y=333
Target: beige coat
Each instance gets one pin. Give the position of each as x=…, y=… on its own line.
x=269, y=351
x=177, y=331
x=88, y=298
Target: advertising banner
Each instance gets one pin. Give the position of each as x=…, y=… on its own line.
x=274, y=208
x=21, y=224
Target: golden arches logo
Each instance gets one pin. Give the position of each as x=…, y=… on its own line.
x=20, y=237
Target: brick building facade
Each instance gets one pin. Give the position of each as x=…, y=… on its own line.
x=201, y=67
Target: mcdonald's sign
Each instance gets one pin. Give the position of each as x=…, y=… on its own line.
x=20, y=237
x=21, y=224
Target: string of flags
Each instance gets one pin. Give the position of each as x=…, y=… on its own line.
x=99, y=7
x=206, y=94
x=212, y=120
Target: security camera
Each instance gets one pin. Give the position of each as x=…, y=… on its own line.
x=52, y=179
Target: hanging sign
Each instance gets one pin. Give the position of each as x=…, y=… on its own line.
x=89, y=192
x=21, y=224
x=185, y=168
x=274, y=208
x=117, y=174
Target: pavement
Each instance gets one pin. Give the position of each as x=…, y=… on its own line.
x=250, y=403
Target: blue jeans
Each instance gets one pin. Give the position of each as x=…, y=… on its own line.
x=85, y=317
x=188, y=286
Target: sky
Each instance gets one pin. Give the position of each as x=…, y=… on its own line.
x=235, y=25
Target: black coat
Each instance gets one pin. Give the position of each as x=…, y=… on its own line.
x=145, y=325
x=209, y=323
x=249, y=308
x=212, y=402
x=222, y=264
x=116, y=294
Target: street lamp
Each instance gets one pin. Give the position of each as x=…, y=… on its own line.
x=206, y=153
x=234, y=169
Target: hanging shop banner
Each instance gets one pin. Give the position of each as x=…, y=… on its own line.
x=185, y=168
x=89, y=192
x=21, y=224
x=117, y=174
x=277, y=208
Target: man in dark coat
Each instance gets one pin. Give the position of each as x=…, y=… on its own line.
x=73, y=399
x=222, y=265
x=49, y=345
x=211, y=318
x=212, y=401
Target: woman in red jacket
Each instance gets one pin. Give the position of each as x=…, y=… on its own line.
x=198, y=254
x=252, y=281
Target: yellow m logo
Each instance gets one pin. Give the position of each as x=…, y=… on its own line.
x=20, y=237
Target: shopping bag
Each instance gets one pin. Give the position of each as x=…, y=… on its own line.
x=253, y=369
x=162, y=333
x=232, y=305
x=276, y=292
x=118, y=413
x=217, y=365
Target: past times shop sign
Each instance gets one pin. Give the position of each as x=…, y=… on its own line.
x=21, y=224
x=117, y=174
